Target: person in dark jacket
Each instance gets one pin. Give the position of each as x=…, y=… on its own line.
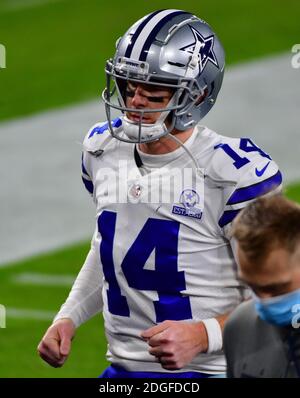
x=262, y=336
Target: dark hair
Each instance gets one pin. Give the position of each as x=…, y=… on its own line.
x=265, y=224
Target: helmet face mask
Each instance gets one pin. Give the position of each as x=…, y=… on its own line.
x=180, y=55
x=185, y=94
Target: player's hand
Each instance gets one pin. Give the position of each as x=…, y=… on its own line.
x=176, y=343
x=55, y=346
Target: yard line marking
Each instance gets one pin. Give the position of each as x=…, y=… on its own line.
x=28, y=278
x=24, y=313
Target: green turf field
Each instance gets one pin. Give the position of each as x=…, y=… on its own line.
x=293, y=192
x=19, y=340
x=56, y=50
x=55, y=56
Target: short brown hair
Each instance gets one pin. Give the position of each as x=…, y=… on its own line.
x=267, y=223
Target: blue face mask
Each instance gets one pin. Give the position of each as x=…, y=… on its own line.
x=278, y=310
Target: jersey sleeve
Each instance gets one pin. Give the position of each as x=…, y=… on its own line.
x=85, y=298
x=245, y=173
x=86, y=175
x=94, y=142
x=250, y=186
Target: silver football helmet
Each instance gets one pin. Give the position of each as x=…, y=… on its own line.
x=167, y=48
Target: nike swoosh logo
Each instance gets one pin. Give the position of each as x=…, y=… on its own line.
x=259, y=173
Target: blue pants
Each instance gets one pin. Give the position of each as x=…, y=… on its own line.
x=117, y=372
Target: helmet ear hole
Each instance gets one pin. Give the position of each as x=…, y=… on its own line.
x=202, y=97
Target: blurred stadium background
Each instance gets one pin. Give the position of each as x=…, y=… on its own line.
x=56, y=51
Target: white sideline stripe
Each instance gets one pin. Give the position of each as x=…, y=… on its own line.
x=23, y=313
x=43, y=279
x=16, y=5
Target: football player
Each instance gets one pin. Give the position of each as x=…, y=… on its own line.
x=162, y=271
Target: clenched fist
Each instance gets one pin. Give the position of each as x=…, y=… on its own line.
x=55, y=346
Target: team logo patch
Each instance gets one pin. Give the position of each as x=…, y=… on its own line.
x=135, y=191
x=206, y=52
x=190, y=201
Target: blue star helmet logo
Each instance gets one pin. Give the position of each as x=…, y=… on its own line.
x=206, y=52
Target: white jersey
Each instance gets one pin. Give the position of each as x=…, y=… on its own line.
x=169, y=260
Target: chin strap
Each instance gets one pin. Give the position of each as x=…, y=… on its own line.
x=174, y=138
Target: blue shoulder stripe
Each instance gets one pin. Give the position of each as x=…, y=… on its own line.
x=227, y=217
x=255, y=190
x=83, y=169
x=101, y=129
x=89, y=185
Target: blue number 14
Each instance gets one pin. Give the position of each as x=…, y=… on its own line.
x=165, y=279
x=246, y=145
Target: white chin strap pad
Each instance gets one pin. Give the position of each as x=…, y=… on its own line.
x=148, y=131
